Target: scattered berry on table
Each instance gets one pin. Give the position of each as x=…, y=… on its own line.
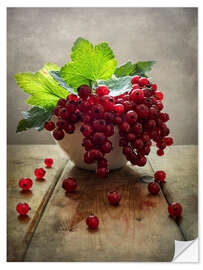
x=23, y=209
x=48, y=162
x=175, y=210
x=153, y=188
x=49, y=125
x=69, y=184
x=40, y=173
x=160, y=176
x=114, y=197
x=25, y=183
x=92, y=222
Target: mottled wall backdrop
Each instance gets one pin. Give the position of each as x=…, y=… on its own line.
x=167, y=35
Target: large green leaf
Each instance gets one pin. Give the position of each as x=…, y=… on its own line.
x=89, y=64
x=35, y=118
x=140, y=68
x=44, y=90
x=117, y=86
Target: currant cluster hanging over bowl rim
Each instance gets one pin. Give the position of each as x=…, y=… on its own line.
x=137, y=114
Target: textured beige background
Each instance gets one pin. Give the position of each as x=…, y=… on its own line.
x=167, y=35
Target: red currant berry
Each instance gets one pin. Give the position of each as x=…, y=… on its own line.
x=25, y=183
x=138, y=144
x=142, y=111
x=160, y=176
x=131, y=117
x=88, y=159
x=99, y=124
x=127, y=105
x=154, y=188
x=49, y=125
x=102, y=163
x=143, y=81
x=141, y=161
x=58, y=134
x=117, y=120
x=69, y=184
x=61, y=102
x=164, y=117
x=97, y=111
x=123, y=142
x=137, y=128
x=61, y=123
x=102, y=172
x=84, y=91
x=102, y=90
x=109, y=130
x=135, y=79
x=48, y=162
x=87, y=143
x=95, y=154
x=106, y=147
x=124, y=127
x=175, y=210
x=40, y=173
x=69, y=128
x=168, y=141
x=118, y=108
x=154, y=87
x=23, y=209
x=114, y=197
x=160, y=152
x=99, y=138
x=159, y=95
x=137, y=96
x=86, y=130
x=92, y=222
x=73, y=97
x=108, y=116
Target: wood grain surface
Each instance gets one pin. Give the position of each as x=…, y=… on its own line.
x=22, y=161
x=181, y=166
x=139, y=229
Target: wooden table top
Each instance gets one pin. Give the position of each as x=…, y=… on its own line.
x=139, y=229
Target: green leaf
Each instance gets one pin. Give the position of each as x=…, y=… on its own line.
x=125, y=69
x=57, y=77
x=44, y=90
x=117, y=86
x=89, y=64
x=140, y=68
x=144, y=67
x=35, y=118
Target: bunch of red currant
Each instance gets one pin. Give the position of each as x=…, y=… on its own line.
x=137, y=114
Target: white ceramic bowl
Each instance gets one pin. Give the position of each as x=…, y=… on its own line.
x=72, y=146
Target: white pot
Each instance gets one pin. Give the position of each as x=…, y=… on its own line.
x=72, y=146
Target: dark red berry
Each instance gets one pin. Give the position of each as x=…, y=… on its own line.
x=159, y=95
x=69, y=128
x=106, y=147
x=124, y=127
x=86, y=130
x=143, y=81
x=137, y=95
x=114, y=197
x=95, y=154
x=92, y=222
x=99, y=138
x=48, y=162
x=175, y=210
x=102, y=163
x=154, y=188
x=154, y=87
x=160, y=152
x=25, y=183
x=84, y=91
x=61, y=102
x=160, y=176
x=22, y=208
x=109, y=130
x=69, y=184
x=102, y=172
x=168, y=141
x=58, y=134
x=49, y=125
